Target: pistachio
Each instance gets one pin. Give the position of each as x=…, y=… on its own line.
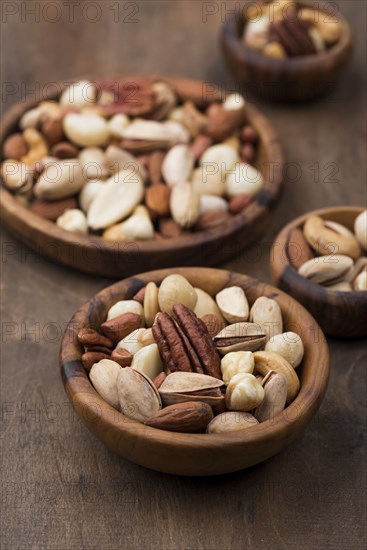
x=138, y=397
x=289, y=345
x=325, y=269
x=87, y=130
x=205, y=304
x=181, y=382
x=88, y=192
x=230, y=422
x=233, y=304
x=359, y=266
x=244, y=179
x=360, y=284
x=79, y=94
x=116, y=200
x=175, y=289
x=244, y=392
x=103, y=376
x=327, y=240
x=131, y=342
x=151, y=305
x=178, y=164
x=73, y=220
x=266, y=361
x=148, y=361
x=235, y=362
x=124, y=306
x=184, y=204
x=360, y=229
x=240, y=337
x=275, y=395
x=59, y=180
x=267, y=313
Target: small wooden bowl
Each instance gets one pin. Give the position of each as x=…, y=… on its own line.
x=341, y=314
x=195, y=454
x=292, y=79
x=94, y=255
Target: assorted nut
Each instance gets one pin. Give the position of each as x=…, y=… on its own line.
x=179, y=374
x=282, y=28
x=330, y=254
x=111, y=153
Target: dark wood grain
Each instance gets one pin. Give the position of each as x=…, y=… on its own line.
x=340, y=314
x=293, y=79
x=62, y=489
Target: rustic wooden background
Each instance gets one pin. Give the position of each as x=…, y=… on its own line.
x=61, y=489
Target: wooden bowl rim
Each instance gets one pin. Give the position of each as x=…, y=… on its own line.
x=279, y=253
x=298, y=63
x=253, y=212
x=80, y=390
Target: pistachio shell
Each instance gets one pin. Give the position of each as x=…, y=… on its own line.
x=118, y=159
x=266, y=361
x=172, y=398
x=360, y=229
x=116, y=200
x=231, y=421
x=117, y=125
x=275, y=395
x=222, y=157
x=181, y=382
x=324, y=269
x=103, y=376
x=240, y=337
x=138, y=397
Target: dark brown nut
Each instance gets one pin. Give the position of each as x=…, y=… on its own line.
x=211, y=219
x=224, y=123
x=159, y=379
x=53, y=209
x=249, y=134
x=171, y=345
x=169, y=228
x=182, y=417
x=157, y=199
x=239, y=203
x=64, y=150
x=200, y=145
x=52, y=129
x=139, y=296
x=213, y=323
x=90, y=337
x=117, y=328
x=15, y=147
x=213, y=109
x=298, y=249
x=91, y=357
x=293, y=36
x=133, y=98
x=99, y=349
x=248, y=153
x=137, y=146
x=154, y=164
x=122, y=356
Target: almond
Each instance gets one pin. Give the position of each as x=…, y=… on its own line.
x=89, y=358
x=122, y=356
x=157, y=199
x=15, y=147
x=121, y=326
x=182, y=417
x=90, y=337
x=155, y=161
x=52, y=130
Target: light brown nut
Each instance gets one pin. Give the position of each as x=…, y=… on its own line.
x=184, y=382
x=359, y=266
x=231, y=421
x=275, y=49
x=267, y=313
x=121, y=326
x=326, y=241
x=223, y=123
x=139, y=296
x=239, y=203
x=325, y=269
x=157, y=199
x=15, y=147
x=289, y=345
x=275, y=395
x=89, y=358
x=155, y=161
x=175, y=289
x=213, y=323
x=169, y=229
x=240, y=337
x=103, y=376
x=244, y=392
x=90, y=337
x=151, y=305
x=298, y=249
x=266, y=361
x=212, y=219
x=138, y=397
x=159, y=379
x=235, y=362
x=233, y=304
x=182, y=417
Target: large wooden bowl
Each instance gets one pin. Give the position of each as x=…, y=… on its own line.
x=209, y=247
x=293, y=79
x=195, y=454
x=340, y=314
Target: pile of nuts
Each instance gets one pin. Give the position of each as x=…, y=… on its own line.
x=130, y=161
x=282, y=28
x=329, y=254
x=177, y=359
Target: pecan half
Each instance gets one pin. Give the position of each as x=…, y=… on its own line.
x=294, y=37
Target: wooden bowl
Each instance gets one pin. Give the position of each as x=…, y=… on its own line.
x=291, y=79
x=341, y=314
x=195, y=454
x=94, y=255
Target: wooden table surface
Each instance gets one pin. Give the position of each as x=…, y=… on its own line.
x=61, y=489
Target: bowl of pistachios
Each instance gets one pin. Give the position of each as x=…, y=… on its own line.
x=320, y=260
x=194, y=371
x=113, y=176
x=287, y=50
